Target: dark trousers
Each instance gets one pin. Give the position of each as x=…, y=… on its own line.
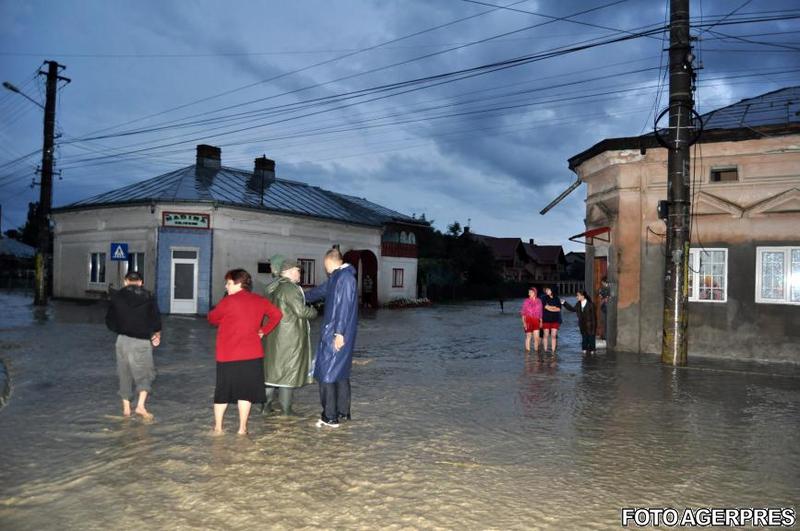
x=335, y=399
x=587, y=342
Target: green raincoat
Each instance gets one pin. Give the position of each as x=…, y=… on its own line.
x=287, y=354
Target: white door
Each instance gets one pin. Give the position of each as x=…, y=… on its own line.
x=183, y=284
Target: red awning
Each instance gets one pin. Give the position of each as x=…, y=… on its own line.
x=591, y=234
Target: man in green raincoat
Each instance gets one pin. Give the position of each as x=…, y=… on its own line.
x=287, y=354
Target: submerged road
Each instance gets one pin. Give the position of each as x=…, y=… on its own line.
x=454, y=428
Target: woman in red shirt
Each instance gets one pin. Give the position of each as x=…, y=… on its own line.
x=240, y=366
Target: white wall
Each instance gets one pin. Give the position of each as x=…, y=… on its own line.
x=243, y=238
x=386, y=292
x=79, y=233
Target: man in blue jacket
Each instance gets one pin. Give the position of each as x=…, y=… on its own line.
x=337, y=339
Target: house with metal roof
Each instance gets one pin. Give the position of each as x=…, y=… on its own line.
x=744, y=257
x=184, y=229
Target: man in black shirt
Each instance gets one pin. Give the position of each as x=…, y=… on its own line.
x=133, y=314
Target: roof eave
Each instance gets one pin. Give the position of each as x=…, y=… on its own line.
x=710, y=136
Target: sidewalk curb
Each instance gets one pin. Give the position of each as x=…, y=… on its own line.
x=5, y=384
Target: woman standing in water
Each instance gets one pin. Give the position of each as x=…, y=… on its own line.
x=289, y=346
x=240, y=370
x=532, y=319
x=587, y=321
x=551, y=318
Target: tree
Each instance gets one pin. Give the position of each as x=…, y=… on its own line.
x=454, y=228
x=30, y=231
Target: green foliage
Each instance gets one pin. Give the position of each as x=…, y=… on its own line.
x=453, y=259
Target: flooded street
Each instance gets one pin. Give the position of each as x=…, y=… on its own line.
x=453, y=427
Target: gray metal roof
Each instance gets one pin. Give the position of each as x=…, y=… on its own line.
x=239, y=188
x=771, y=114
x=780, y=107
x=11, y=247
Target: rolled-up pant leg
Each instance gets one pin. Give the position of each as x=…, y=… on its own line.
x=137, y=365
x=124, y=370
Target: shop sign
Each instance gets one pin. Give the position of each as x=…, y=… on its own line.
x=186, y=220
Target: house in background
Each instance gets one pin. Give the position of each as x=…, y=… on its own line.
x=183, y=230
x=16, y=263
x=744, y=261
x=529, y=263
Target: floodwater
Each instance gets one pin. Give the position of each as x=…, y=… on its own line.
x=454, y=427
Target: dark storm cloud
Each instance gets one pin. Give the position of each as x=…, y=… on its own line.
x=496, y=168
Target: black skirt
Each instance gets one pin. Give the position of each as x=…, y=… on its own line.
x=240, y=380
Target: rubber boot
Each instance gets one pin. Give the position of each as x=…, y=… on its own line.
x=285, y=398
x=270, y=392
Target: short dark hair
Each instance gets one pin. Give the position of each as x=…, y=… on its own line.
x=334, y=254
x=133, y=276
x=585, y=294
x=240, y=276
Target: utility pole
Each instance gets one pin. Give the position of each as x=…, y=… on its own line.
x=681, y=109
x=46, y=182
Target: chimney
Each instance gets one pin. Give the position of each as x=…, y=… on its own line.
x=530, y=241
x=264, y=170
x=209, y=156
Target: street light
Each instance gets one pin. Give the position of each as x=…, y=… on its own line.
x=13, y=88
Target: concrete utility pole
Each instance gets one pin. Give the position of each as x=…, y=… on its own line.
x=681, y=106
x=46, y=183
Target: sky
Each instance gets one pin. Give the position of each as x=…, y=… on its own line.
x=365, y=97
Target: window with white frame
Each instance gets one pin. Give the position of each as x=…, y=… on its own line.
x=778, y=275
x=97, y=268
x=708, y=275
x=135, y=263
x=307, y=272
x=397, y=278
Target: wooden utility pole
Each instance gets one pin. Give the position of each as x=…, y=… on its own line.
x=46, y=182
x=681, y=132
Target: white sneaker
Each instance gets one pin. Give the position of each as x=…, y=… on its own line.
x=321, y=423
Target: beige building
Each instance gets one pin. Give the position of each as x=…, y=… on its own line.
x=744, y=263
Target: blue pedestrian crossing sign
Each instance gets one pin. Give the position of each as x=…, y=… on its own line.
x=119, y=251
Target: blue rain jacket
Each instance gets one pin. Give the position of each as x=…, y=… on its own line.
x=341, y=317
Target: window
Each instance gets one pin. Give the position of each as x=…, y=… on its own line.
x=708, y=275
x=403, y=237
x=135, y=263
x=97, y=268
x=778, y=275
x=264, y=268
x=397, y=278
x=411, y=238
x=308, y=269
x=722, y=175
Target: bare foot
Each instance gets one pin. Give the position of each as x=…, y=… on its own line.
x=240, y=432
x=126, y=413
x=216, y=432
x=146, y=415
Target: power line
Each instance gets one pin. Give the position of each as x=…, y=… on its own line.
x=374, y=70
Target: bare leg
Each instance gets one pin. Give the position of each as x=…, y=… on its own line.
x=126, y=408
x=219, y=412
x=140, y=409
x=244, y=412
x=546, y=338
x=536, y=341
x=527, y=342
x=554, y=339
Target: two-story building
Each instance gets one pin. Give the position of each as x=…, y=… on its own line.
x=744, y=261
x=184, y=229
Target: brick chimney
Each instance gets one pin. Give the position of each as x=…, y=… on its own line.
x=264, y=170
x=209, y=156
